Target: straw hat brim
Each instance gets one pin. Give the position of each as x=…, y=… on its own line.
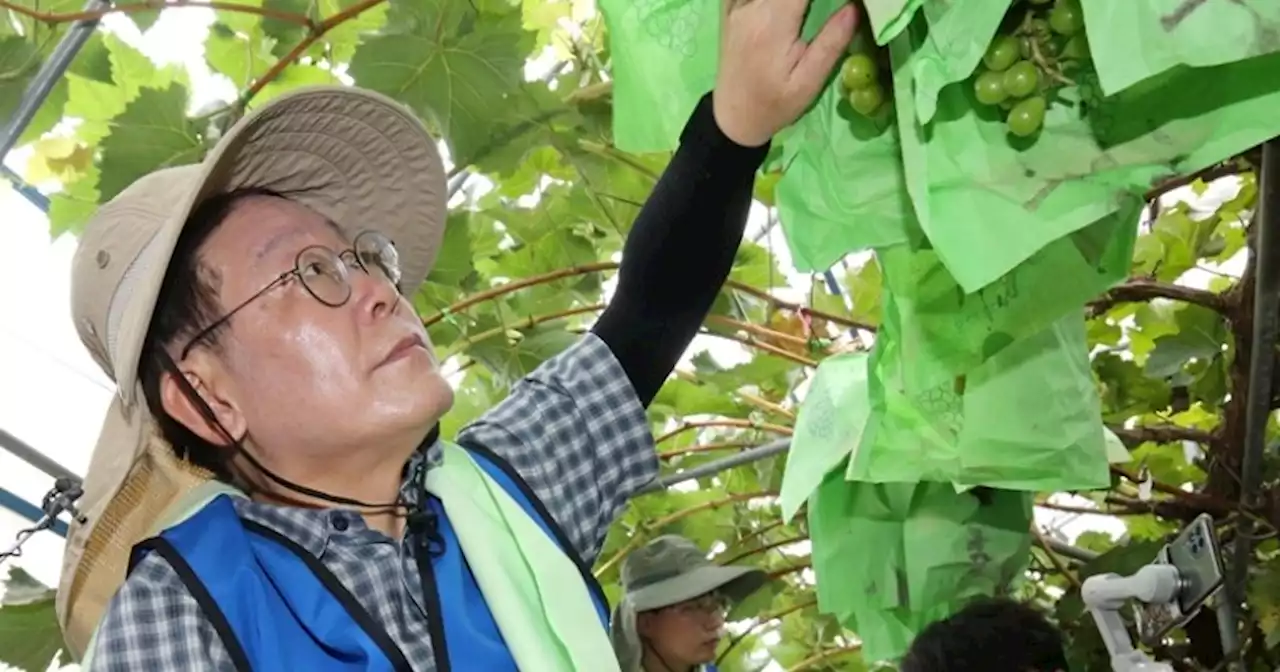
x=360, y=159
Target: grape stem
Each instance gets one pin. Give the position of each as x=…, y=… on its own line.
x=1048, y=69
x=1038, y=56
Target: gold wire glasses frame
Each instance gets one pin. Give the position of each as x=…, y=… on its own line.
x=325, y=274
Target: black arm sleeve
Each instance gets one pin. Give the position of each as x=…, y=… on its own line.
x=679, y=251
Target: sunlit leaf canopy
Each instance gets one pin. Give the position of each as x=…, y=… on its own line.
x=542, y=201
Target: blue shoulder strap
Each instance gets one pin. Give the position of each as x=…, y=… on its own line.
x=240, y=598
x=505, y=475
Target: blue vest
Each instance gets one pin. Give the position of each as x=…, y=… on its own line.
x=276, y=607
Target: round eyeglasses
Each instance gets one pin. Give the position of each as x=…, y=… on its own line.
x=705, y=606
x=325, y=274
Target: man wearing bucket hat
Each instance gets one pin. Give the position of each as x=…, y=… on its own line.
x=270, y=491
x=673, y=606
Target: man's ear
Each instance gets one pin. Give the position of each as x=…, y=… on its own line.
x=644, y=623
x=206, y=383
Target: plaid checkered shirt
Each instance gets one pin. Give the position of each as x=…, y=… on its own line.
x=573, y=429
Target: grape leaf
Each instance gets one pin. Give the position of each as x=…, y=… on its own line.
x=71, y=208
x=343, y=39
x=511, y=362
x=153, y=132
x=243, y=57
x=453, y=262
x=95, y=103
x=1199, y=336
x=1264, y=599
x=450, y=64
x=30, y=638
x=145, y=19
x=19, y=60
x=93, y=60
x=292, y=77
x=285, y=34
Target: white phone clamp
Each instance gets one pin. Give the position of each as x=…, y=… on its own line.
x=1106, y=594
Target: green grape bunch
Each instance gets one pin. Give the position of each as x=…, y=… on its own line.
x=863, y=76
x=1028, y=59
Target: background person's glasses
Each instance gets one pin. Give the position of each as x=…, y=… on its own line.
x=325, y=274
x=712, y=604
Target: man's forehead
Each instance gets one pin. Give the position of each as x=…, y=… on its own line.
x=265, y=225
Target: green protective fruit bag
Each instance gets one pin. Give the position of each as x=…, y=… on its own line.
x=987, y=203
x=889, y=17
x=841, y=190
x=1137, y=39
x=946, y=332
x=829, y=426
x=935, y=549
x=1028, y=418
x=664, y=55
x=958, y=36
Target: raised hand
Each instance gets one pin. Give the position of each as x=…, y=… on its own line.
x=768, y=76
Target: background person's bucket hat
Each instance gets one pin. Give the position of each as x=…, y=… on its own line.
x=665, y=572
x=356, y=157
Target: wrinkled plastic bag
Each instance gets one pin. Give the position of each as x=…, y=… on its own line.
x=935, y=549
x=1137, y=39
x=987, y=206
x=1029, y=418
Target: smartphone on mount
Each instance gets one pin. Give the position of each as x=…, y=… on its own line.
x=1197, y=556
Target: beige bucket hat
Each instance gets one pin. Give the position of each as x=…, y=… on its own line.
x=665, y=572
x=359, y=158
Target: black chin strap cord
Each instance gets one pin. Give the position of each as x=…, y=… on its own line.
x=283, y=482
x=421, y=522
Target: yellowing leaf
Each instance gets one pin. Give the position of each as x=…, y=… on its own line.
x=58, y=158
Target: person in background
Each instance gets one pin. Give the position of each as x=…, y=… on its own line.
x=993, y=635
x=270, y=490
x=673, y=608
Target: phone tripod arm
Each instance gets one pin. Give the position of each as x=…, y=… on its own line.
x=1106, y=594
